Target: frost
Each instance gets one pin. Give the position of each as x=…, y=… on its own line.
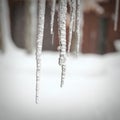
x=62, y=36
x=39, y=41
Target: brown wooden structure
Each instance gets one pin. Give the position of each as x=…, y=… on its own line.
x=99, y=35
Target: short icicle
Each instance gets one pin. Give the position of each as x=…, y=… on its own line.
x=116, y=15
x=79, y=25
x=53, y=6
x=72, y=4
x=39, y=42
x=62, y=37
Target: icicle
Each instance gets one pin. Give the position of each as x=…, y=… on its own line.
x=39, y=41
x=72, y=21
x=79, y=25
x=30, y=14
x=52, y=18
x=8, y=45
x=116, y=15
x=62, y=36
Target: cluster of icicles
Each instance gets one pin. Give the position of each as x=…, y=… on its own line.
x=76, y=25
x=76, y=18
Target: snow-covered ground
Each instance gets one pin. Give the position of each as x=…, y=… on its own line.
x=91, y=90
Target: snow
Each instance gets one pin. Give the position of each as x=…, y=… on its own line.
x=90, y=92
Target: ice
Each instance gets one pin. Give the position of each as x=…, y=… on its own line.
x=39, y=43
x=53, y=8
x=62, y=36
x=116, y=15
x=79, y=26
x=91, y=92
x=72, y=4
x=5, y=27
x=30, y=24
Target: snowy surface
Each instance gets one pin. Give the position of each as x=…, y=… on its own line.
x=91, y=90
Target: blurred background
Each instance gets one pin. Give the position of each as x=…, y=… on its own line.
x=92, y=85
x=98, y=30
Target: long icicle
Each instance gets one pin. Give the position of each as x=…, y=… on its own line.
x=62, y=37
x=116, y=15
x=39, y=41
x=79, y=25
x=72, y=4
x=53, y=6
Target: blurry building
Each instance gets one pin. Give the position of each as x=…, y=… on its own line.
x=99, y=35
